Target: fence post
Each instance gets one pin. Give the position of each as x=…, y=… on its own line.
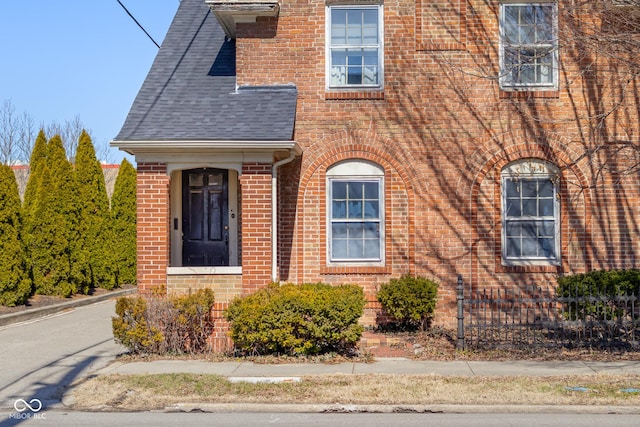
x=460, y=288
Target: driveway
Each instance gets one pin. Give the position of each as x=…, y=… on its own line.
x=39, y=358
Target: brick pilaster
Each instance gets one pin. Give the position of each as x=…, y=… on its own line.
x=153, y=226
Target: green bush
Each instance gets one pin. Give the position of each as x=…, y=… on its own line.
x=303, y=319
x=165, y=325
x=597, y=295
x=410, y=301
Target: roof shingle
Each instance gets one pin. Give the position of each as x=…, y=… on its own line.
x=190, y=91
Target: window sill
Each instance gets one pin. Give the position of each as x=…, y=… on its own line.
x=529, y=93
x=354, y=269
x=529, y=268
x=341, y=95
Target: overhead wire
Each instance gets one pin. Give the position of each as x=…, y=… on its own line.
x=138, y=23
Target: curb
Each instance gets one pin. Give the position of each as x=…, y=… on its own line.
x=35, y=313
x=391, y=409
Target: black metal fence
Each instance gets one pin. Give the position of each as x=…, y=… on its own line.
x=536, y=316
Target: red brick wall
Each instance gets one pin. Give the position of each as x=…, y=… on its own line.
x=153, y=226
x=255, y=187
x=442, y=129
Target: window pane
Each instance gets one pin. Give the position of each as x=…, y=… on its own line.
x=547, y=248
x=196, y=180
x=370, y=17
x=514, y=208
x=355, y=230
x=338, y=16
x=512, y=188
x=529, y=229
x=339, y=230
x=355, y=190
x=547, y=228
x=371, y=230
x=513, y=247
x=372, y=250
x=355, y=209
x=354, y=36
x=513, y=229
x=355, y=249
x=371, y=190
x=339, y=190
x=529, y=247
x=339, y=249
x=529, y=188
x=545, y=188
x=371, y=209
x=339, y=209
x=370, y=35
x=530, y=207
x=338, y=35
x=546, y=207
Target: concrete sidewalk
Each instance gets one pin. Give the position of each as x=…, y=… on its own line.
x=395, y=366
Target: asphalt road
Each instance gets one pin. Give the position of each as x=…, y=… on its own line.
x=154, y=419
x=39, y=358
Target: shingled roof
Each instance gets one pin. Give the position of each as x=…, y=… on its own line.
x=190, y=92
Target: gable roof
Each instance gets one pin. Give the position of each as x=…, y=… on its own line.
x=190, y=92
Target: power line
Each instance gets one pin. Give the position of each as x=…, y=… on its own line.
x=139, y=25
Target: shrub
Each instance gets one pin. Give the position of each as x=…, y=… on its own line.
x=599, y=294
x=131, y=328
x=410, y=301
x=297, y=319
x=165, y=325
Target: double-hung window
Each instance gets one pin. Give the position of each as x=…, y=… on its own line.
x=528, y=46
x=354, y=46
x=530, y=213
x=355, y=213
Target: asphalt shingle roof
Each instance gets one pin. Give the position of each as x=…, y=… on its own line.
x=190, y=91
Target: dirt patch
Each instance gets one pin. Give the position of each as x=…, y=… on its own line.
x=440, y=344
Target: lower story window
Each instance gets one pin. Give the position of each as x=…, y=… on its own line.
x=531, y=213
x=356, y=231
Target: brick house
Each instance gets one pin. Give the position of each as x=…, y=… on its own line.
x=356, y=141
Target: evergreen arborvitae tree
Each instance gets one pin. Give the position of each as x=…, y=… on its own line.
x=38, y=158
x=66, y=205
x=15, y=285
x=49, y=241
x=123, y=213
x=37, y=162
x=91, y=245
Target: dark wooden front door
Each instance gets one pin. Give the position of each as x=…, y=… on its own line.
x=205, y=217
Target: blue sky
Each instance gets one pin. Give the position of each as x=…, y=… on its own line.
x=85, y=58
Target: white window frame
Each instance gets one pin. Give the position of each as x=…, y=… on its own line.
x=355, y=171
x=519, y=172
x=506, y=81
x=379, y=46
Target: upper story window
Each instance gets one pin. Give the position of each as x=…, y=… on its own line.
x=530, y=213
x=354, y=46
x=355, y=213
x=528, y=46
